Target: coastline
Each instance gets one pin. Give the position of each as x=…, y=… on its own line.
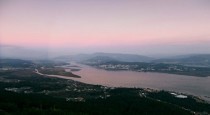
x=196, y=97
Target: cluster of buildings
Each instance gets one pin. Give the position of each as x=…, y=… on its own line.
x=19, y=90
x=117, y=67
x=142, y=69
x=8, y=68
x=76, y=99
x=179, y=95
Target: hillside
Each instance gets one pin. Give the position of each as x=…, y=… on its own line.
x=113, y=56
x=190, y=60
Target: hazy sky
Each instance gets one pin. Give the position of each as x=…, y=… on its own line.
x=125, y=26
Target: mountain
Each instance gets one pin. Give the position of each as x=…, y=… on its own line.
x=16, y=52
x=189, y=60
x=99, y=60
x=111, y=56
x=15, y=63
x=126, y=57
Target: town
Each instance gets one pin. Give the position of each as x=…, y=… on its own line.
x=153, y=67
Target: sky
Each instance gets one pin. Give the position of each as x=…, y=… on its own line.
x=146, y=27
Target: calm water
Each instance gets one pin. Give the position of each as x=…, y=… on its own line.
x=199, y=86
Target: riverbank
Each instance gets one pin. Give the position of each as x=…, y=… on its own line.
x=152, y=67
x=27, y=91
x=190, y=85
x=27, y=88
x=56, y=72
x=173, y=93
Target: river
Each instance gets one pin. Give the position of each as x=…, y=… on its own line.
x=198, y=86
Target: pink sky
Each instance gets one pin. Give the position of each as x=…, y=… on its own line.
x=97, y=23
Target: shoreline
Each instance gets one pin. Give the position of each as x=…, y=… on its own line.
x=161, y=72
x=196, y=97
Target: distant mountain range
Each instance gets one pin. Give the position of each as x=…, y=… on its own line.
x=14, y=63
x=16, y=52
x=99, y=59
x=201, y=60
x=106, y=57
x=13, y=52
x=188, y=60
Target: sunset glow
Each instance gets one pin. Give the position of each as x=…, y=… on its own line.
x=99, y=24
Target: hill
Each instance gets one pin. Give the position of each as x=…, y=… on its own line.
x=112, y=56
x=202, y=60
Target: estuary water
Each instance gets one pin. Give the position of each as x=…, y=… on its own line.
x=198, y=86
